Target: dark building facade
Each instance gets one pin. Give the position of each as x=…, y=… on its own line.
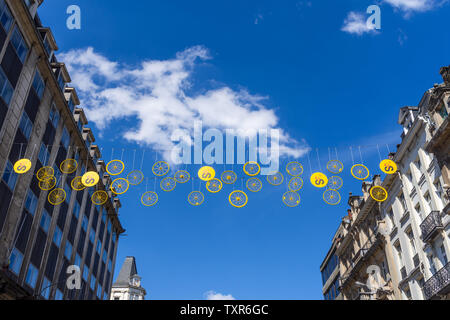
x=40, y=120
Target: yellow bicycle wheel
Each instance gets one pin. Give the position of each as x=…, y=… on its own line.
x=229, y=177
x=276, y=179
x=77, y=184
x=68, y=166
x=99, y=197
x=254, y=184
x=252, y=169
x=214, y=185
x=45, y=173
x=296, y=184
x=160, y=169
x=56, y=197
x=135, y=177
x=196, y=198
x=360, y=172
x=379, y=194
x=168, y=184
x=47, y=184
x=238, y=199
x=149, y=199
x=115, y=167
x=335, y=183
x=120, y=186
x=182, y=176
x=291, y=199
x=335, y=166
x=332, y=197
x=294, y=169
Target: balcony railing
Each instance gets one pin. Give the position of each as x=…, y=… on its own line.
x=431, y=225
x=438, y=284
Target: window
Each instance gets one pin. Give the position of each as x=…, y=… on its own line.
x=418, y=209
x=427, y=198
x=54, y=117
x=84, y=223
x=92, y=236
x=398, y=248
x=93, y=281
x=76, y=210
x=105, y=296
x=32, y=275
x=68, y=191
x=410, y=235
x=57, y=237
x=391, y=216
x=68, y=250
x=47, y=46
x=61, y=82
x=418, y=164
x=109, y=265
x=45, y=221
x=88, y=143
x=15, y=261
x=401, y=198
x=109, y=226
x=105, y=256
x=407, y=293
x=19, y=44
x=85, y=273
x=443, y=112
x=6, y=89
x=38, y=84
x=10, y=177
x=6, y=18
x=31, y=202
x=57, y=173
x=59, y=295
x=432, y=265
x=444, y=256
x=77, y=260
x=43, y=155
x=99, y=247
x=65, y=139
x=99, y=291
x=71, y=105
x=439, y=190
x=46, y=288
x=25, y=125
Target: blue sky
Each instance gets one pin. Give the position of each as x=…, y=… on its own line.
x=325, y=88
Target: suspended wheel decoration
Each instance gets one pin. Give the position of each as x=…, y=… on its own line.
x=160, y=168
x=168, y=184
x=45, y=173
x=149, y=199
x=360, y=172
x=252, y=169
x=48, y=184
x=99, y=197
x=335, y=166
x=115, y=167
x=294, y=169
x=57, y=196
x=135, y=177
x=335, y=183
x=196, y=198
x=77, y=184
x=296, y=184
x=68, y=166
x=291, y=199
x=229, y=177
x=332, y=197
x=254, y=184
x=120, y=186
x=238, y=199
x=275, y=179
x=379, y=194
x=214, y=186
x=182, y=176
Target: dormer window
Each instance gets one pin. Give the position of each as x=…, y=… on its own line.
x=48, y=41
x=71, y=98
x=61, y=74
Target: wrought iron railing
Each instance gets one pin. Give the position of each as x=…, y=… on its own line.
x=430, y=225
x=439, y=282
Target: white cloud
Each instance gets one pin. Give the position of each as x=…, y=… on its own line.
x=156, y=94
x=414, y=5
x=356, y=23
x=211, y=295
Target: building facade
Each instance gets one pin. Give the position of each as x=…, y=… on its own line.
x=40, y=120
x=399, y=249
x=128, y=283
x=330, y=270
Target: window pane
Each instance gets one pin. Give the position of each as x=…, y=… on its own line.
x=15, y=262
x=5, y=16
x=38, y=84
x=19, y=44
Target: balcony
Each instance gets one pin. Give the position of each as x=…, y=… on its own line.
x=431, y=225
x=438, y=284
